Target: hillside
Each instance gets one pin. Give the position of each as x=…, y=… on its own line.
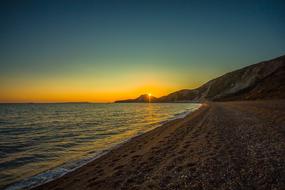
x=141, y=99
x=264, y=80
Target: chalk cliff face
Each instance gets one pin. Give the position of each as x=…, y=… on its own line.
x=265, y=80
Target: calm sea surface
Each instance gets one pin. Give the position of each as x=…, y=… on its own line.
x=39, y=142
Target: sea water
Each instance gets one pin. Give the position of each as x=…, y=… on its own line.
x=40, y=142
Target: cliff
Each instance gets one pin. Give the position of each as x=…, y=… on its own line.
x=264, y=80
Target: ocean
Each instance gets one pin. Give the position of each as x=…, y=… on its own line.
x=40, y=142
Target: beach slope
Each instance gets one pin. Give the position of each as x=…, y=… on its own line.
x=223, y=145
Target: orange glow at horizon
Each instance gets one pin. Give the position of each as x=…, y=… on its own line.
x=81, y=87
x=80, y=93
x=69, y=96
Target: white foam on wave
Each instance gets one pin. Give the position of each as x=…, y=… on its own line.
x=181, y=115
x=58, y=172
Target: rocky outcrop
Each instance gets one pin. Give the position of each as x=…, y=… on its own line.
x=141, y=99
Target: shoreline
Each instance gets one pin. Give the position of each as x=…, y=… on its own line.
x=165, y=123
x=62, y=170
x=193, y=152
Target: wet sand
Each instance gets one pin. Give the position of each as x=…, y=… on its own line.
x=223, y=145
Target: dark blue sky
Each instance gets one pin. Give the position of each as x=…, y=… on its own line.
x=191, y=40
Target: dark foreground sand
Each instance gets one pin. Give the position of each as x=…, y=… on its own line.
x=233, y=145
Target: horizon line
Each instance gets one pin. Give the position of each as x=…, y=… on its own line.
x=75, y=102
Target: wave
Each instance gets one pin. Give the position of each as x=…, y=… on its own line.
x=181, y=115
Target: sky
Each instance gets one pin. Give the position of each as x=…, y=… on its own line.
x=101, y=51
